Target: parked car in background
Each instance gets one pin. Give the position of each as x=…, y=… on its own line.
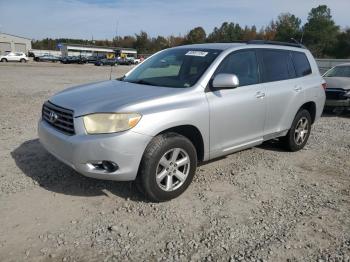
x=14, y=57
x=73, y=60
x=92, y=59
x=124, y=61
x=133, y=60
x=338, y=88
x=47, y=58
x=136, y=61
x=105, y=61
x=158, y=121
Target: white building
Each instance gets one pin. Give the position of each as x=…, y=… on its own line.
x=83, y=50
x=13, y=43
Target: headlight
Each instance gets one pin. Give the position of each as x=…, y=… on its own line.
x=105, y=123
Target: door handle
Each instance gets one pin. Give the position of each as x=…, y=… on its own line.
x=297, y=88
x=259, y=94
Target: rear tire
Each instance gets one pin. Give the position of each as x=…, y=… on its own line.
x=299, y=132
x=167, y=167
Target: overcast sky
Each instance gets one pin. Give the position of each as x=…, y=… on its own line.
x=86, y=18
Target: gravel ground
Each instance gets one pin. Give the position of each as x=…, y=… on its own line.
x=261, y=204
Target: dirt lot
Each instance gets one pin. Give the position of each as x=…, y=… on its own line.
x=261, y=204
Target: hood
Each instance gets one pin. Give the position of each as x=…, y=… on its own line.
x=108, y=96
x=338, y=82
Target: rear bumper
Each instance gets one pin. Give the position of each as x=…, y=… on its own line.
x=79, y=151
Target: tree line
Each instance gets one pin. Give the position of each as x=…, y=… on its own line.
x=320, y=34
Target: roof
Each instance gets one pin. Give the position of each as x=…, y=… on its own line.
x=219, y=46
x=15, y=36
x=224, y=46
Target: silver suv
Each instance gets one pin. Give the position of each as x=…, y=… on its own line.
x=182, y=106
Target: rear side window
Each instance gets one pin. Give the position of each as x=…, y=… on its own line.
x=278, y=65
x=301, y=63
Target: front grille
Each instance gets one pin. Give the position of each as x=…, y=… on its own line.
x=58, y=117
x=335, y=94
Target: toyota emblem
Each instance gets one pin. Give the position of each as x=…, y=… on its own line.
x=53, y=117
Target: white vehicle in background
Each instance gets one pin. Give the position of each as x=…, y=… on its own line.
x=14, y=57
x=137, y=61
x=132, y=60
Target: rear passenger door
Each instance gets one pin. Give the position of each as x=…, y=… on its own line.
x=283, y=92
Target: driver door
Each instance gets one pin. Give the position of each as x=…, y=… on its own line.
x=237, y=115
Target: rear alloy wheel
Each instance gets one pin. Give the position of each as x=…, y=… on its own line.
x=167, y=167
x=299, y=133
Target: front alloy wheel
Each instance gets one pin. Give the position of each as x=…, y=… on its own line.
x=173, y=169
x=167, y=167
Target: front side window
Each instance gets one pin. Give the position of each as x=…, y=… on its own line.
x=338, y=71
x=178, y=67
x=277, y=65
x=243, y=64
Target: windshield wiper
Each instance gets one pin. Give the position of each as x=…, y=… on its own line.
x=142, y=82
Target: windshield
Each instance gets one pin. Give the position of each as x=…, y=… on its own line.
x=180, y=67
x=339, y=71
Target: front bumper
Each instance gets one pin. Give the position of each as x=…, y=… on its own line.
x=338, y=103
x=79, y=151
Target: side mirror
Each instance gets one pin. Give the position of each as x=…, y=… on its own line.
x=225, y=81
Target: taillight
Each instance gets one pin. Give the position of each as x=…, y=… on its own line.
x=324, y=86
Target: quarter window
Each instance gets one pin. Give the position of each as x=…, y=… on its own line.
x=302, y=65
x=243, y=64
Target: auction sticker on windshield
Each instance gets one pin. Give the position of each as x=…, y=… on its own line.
x=197, y=53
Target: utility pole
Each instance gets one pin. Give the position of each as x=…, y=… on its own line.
x=302, y=36
x=116, y=32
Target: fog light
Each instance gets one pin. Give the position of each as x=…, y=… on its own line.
x=104, y=165
x=109, y=166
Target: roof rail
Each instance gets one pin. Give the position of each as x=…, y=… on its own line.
x=267, y=42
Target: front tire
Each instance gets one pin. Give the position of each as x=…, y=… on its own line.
x=299, y=132
x=4, y=60
x=23, y=60
x=167, y=167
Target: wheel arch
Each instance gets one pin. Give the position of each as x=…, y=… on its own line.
x=311, y=107
x=193, y=134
